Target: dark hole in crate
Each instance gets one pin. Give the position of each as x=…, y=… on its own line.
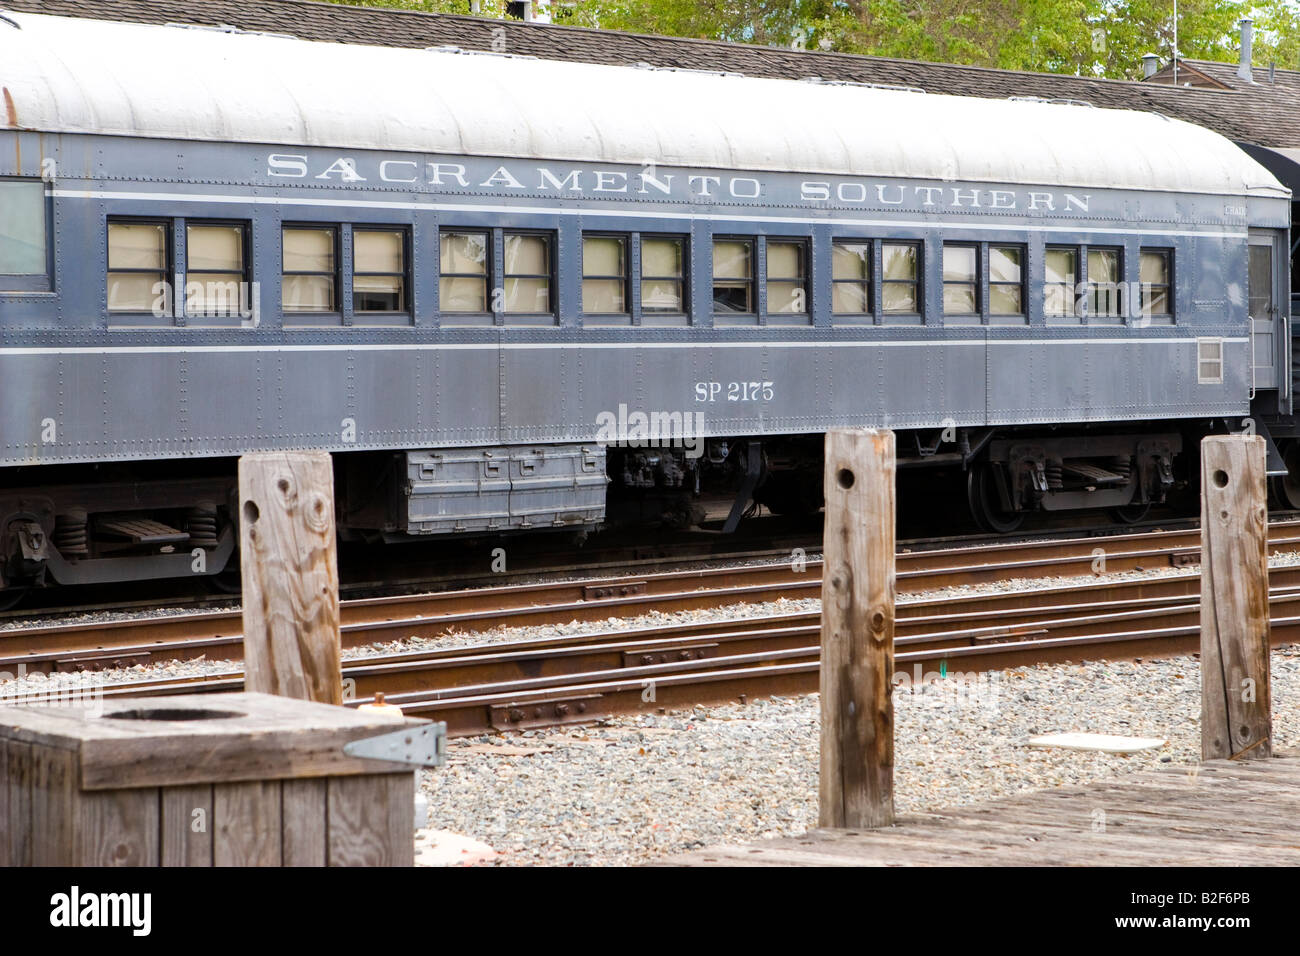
x=173, y=713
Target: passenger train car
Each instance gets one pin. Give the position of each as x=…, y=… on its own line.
x=514, y=295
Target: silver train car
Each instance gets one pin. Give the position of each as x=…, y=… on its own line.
x=515, y=295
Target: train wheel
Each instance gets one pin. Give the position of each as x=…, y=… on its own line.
x=982, y=496
x=228, y=581
x=1131, y=514
x=1286, y=488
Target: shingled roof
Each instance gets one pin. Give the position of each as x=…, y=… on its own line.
x=1262, y=113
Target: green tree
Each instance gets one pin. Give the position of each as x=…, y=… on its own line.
x=1277, y=37
x=1085, y=37
x=1089, y=37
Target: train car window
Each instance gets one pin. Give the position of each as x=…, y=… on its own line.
x=604, y=277
x=851, y=278
x=1061, y=280
x=379, y=270
x=216, y=273
x=787, y=277
x=462, y=286
x=900, y=266
x=527, y=273
x=663, y=275
x=1006, y=280
x=733, y=276
x=308, y=263
x=1104, y=275
x=960, y=279
x=138, y=267
x=24, y=249
x=1153, y=275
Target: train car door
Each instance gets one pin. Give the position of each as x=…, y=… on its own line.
x=1265, y=291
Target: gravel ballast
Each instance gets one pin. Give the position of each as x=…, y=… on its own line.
x=634, y=789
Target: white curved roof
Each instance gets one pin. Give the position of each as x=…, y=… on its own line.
x=95, y=76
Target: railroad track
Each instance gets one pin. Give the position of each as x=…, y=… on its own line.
x=581, y=677
x=217, y=634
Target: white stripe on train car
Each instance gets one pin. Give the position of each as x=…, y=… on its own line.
x=711, y=216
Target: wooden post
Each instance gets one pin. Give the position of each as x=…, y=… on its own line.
x=857, y=652
x=290, y=574
x=1236, y=718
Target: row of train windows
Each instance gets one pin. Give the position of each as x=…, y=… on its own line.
x=217, y=254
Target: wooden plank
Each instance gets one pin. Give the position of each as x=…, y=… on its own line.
x=19, y=817
x=304, y=810
x=981, y=846
x=1236, y=719
x=730, y=856
x=55, y=726
x=118, y=828
x=231, y=757
x=1058, y=844
x=1230, y=813
x=187, y=835
x=1048, y=822
x=246, y=824
x=1000, y=844
x=1172, y=821
x=290, y=575
x=857, y=632
x=267, y=737
x=1207, y=800
x=6, y=825
x=55, y=806
x=371, y=820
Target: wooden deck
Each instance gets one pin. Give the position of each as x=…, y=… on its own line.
x=1243, y=812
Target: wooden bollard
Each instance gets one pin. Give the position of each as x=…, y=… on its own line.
x=1236, y=718
x=290, y=576
x=857, y=638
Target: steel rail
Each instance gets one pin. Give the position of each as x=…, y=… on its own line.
x=217, y=633
x=485, y=688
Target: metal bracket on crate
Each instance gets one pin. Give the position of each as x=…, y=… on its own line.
x=422, y=746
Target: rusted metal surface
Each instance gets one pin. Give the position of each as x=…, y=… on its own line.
x=489, y=688
x=1069, y=608
x=799, y=674
x=217, y=633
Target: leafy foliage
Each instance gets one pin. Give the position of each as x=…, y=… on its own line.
x=1086, y=37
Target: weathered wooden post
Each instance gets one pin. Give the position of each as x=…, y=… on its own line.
x=290, y=575
x=857, y=638
x=1236, y=717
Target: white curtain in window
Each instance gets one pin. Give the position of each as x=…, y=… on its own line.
x=308, y=250
x=214, y=248
x=376, y=251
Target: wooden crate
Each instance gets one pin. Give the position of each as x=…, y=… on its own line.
x=200, y=780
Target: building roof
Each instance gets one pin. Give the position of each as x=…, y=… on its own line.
x=1262, y=113
x=63, y=74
